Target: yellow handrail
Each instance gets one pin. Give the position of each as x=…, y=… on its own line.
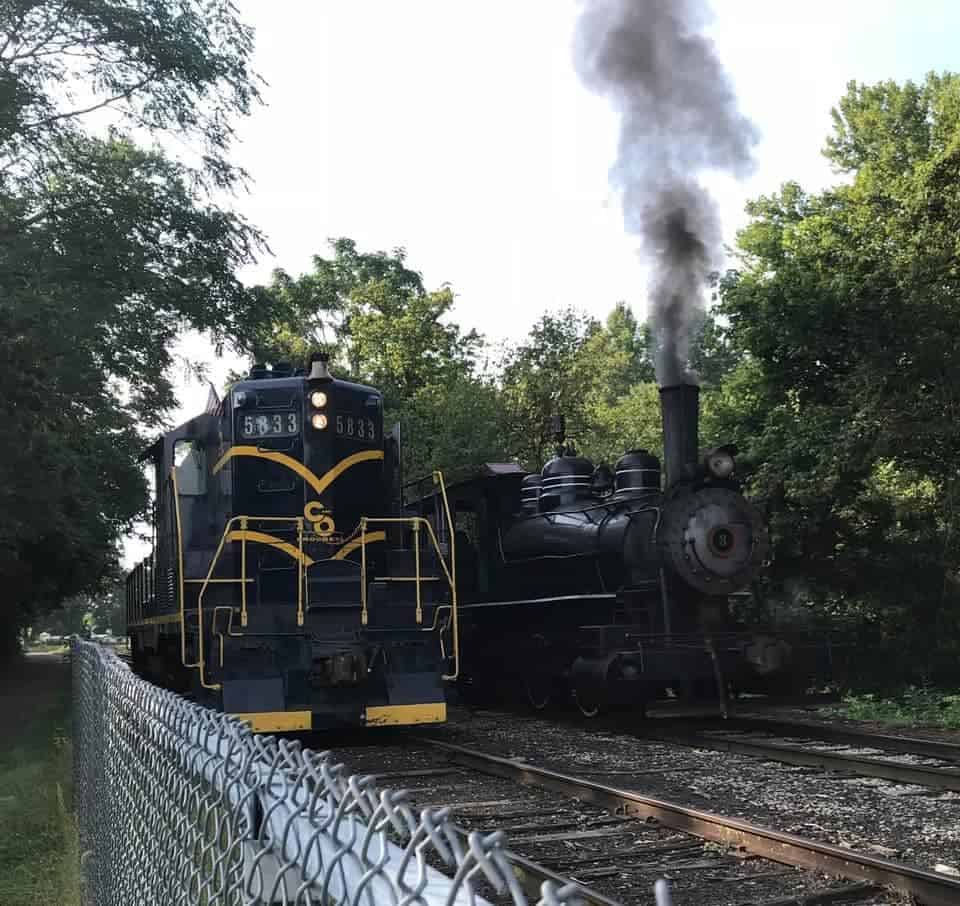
x=208, y=580
x=451, y=574
x=243, y=571
x=416, y=570
x=300, y=571
x=234, y=635
x=183, y=614
x=438, y=479
x=414, y=521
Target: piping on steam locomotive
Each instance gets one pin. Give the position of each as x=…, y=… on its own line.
x=282, y=586
x=607, y=587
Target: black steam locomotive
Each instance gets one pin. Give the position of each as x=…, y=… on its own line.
x=609, y=587
x=285, y=584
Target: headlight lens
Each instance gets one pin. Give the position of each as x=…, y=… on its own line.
x=720, y=464
x=319, y=421
x=318, y=399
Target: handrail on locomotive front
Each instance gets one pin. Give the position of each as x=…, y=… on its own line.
x=454, y=615
x=244, y=521
x=415, y=522
x=180, y=580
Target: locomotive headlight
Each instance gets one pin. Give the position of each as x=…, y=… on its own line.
x=319, y=421
x=318, y=399
x=720, y=464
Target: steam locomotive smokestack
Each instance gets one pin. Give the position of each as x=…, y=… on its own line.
x=680, y=407
x=678, y=118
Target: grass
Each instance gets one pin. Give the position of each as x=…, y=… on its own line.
x=39, y=849
x=912, y=707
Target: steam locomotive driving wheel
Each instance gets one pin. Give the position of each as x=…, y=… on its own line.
x=586, y=703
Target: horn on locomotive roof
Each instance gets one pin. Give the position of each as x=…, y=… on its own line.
x=318, y=367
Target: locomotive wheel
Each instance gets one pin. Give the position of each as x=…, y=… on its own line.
x=587, y=706
x=537, y=691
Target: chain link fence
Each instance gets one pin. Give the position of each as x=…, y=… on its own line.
x=178, y=804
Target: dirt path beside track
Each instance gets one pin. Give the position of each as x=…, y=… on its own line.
x=30, y=688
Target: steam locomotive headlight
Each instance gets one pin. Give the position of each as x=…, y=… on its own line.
x=318, y=399
x=720, y=464
x=319, y=421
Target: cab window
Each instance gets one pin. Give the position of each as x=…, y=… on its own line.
x=190, y=460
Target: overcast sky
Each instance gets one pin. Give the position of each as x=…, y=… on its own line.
x=460, y=132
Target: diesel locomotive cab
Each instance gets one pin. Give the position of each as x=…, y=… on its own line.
x=277, y=543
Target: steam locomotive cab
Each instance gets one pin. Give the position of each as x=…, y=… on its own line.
x=607, y=586
x=271, y=590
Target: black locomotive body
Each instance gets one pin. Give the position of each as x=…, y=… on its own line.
x=611, y=591
x=283, y=585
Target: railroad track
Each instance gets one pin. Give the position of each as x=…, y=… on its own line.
x=801, y=743
x=610, y=834
x=869, y=873
x=910, y=745
x=614, y=858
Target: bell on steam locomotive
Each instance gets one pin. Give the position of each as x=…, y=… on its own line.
x=610, y=588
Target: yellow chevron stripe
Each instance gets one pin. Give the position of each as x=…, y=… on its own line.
x=273, y=541
x=318, y=484
x=351, y=546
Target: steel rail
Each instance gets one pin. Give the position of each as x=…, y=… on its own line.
x=791, y=753
x=908, y=745
x=931, y=888
x=531, y=876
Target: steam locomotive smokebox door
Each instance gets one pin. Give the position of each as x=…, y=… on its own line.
x=243, y=696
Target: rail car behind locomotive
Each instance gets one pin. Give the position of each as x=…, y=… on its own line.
x=285, y=585
x=611, y=587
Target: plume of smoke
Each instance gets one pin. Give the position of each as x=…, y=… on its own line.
x=678, y=118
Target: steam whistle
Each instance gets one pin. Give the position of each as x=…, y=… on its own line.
x=558, y=431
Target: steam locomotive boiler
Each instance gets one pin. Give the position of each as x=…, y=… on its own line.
x=607, y=587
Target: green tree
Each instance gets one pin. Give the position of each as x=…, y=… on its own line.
x=455, y=426
x=384, y=327
x=106, y=251
x=547, y=374
x=157, y=65
x=401, y=342
x=846, y=304
x=314, y=310
x=616, y=355
x=630, y=422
